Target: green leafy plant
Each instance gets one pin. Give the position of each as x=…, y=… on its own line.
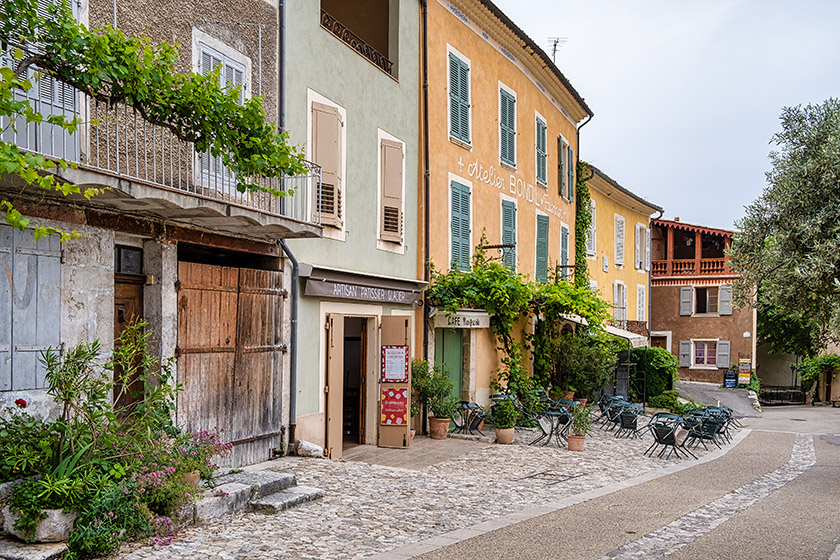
x=811, y=369
x=581, y=420
x=660, y=369
x=583, y=221
x=670, y=400
x=504, y=415
x=431, y=387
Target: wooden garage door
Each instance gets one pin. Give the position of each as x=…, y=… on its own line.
x=230, y=355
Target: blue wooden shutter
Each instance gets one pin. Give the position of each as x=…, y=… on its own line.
x=461, y=249
x=561, y=166
x=509, y=233
x=507, y=121
x=541, y=152
x=541, y=273
x=571, y=174
x=459, y=98
x=564, y=252
x=35, y=306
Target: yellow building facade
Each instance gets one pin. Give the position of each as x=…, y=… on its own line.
x=618, y=250
x=503, y=130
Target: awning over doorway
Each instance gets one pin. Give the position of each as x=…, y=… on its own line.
x=360, y=286
x=636, y=340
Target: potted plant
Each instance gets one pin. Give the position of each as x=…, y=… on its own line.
x=432, y=388
x=504, y=416
x=580, y=424
x=415, y=410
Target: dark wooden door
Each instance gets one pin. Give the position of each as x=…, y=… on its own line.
x=658, y=341
x=230, y=355
x=128, y=307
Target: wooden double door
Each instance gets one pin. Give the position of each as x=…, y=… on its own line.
x=230, y=355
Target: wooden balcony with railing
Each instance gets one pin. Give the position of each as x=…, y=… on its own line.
x=690, y=267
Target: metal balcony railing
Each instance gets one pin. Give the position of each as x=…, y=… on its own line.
x=116, y=140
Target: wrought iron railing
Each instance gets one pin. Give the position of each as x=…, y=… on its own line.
x=356, y=43
x=116, y=140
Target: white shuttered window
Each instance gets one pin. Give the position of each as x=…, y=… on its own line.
x=619, y=240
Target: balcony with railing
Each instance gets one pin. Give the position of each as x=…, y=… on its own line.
x=690, y=267
x=150, y=170
x=362, y=26
x=680, y=250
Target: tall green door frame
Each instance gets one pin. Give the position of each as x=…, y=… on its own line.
x=449, y=350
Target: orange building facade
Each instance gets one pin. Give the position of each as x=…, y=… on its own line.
x=503, y=130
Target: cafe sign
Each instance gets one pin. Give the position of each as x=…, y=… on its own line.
x=463, y=319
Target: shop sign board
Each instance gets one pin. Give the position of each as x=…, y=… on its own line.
x=394, y=364
x=463, y=320
x=394, y=406
x=730, y=379
x=744, y=370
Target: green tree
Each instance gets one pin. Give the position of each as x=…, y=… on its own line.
x=788, y=250
x=115, y=69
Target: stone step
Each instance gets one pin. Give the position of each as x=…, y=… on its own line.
x=262, y=483
x=286, y=499
x=13, y=549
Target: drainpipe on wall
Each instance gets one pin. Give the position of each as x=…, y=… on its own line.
x=281, y=118
x=426, y=179
x=650, y=286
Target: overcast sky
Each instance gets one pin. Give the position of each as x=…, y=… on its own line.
x=687, y=94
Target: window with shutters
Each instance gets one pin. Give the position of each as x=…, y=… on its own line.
x=705, y=353
x=562, y=166
x=327, y=151
x=541, y=153
x=619, y=240
x=591, y=234
x=570, y=169
x=541, y=271
x=507, y=126
x=30, y=306
x=509, y=234
x=564, y=252
x=641, y=302
x=706, y=300
x=47, y=96
x=619, y=304
x=461, y=243
x=233, y=68
x=392, y=156
x=459, y=98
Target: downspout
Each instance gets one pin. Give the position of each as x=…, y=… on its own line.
x=650, y=288
x=281, y=117
x=426, y=241
x=426, y=179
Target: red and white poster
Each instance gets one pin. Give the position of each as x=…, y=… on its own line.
x=394, y=364
x=394, y=404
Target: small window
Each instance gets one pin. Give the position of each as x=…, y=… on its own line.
x=620, y=304
x=619, y=240
x=706, y=300
x=128, y=260
x=641, y=302
x=705, y=353
x=507, y=123
x=542, y=157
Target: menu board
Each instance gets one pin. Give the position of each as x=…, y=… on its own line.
x=394, y=405
x=394, y=364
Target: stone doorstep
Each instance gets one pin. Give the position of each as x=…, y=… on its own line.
x=286, y=499
x=12, y=549
x=262, y=483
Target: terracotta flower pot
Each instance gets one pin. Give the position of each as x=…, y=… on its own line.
x=576, y=442
x=504, y=435
x=570, y=395
x=438, y=427
x=582, y=402
x=192, y=478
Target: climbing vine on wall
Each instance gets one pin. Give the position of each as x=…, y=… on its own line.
x=583, y=221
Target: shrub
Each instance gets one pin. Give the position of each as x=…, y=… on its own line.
x=659, y=366
x=811, y=369
x=670, y=400
x=584, y=361
x=504, y=415
x=432, y=387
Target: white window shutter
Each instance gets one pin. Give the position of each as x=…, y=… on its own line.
x=619, y=240
x=640, y=302
x=637, y=255
x=725, y=300
x=722, y=360
x=686, y=299
x=685, y=353
x=647, y=249
x=391, y=180
x=590, y=237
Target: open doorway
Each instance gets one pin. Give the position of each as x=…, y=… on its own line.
x=353, y=402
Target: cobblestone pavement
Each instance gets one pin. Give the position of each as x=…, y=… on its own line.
x=370, y=509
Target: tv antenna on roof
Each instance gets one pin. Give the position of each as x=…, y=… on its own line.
x=554, y=43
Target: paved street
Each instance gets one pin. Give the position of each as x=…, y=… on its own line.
x=771, y=494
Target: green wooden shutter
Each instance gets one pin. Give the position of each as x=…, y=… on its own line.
x=571, y=174
x=509, y=233
x=507, y=121
x=561, y=167
x=564, y=252
x=541, y=152
x=461, y=249
x=541, y=273
x=459, y=99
